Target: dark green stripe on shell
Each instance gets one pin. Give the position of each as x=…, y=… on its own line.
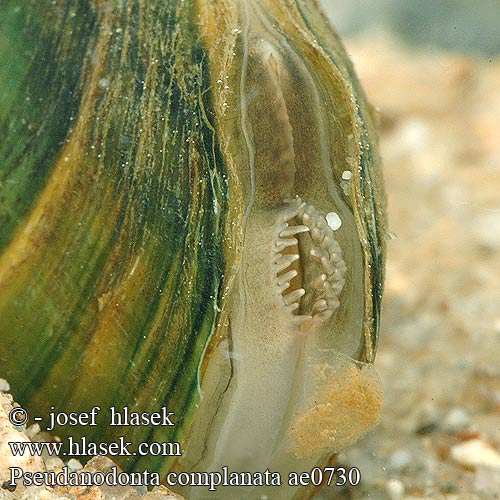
x=114, y=297
x=38, y=101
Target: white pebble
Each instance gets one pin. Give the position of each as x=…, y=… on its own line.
x=334, y=221
x=455, y=421
x=400, y=459
x=54, y=463
x=347, y=175
x=474, y=453
x=395, y=489
x=4, y=385
x=74, y=464
x=33, y=430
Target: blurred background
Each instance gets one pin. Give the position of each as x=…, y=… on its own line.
x=469, y=26
x=432, y=68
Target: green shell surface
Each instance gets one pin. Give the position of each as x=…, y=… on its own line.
x=191, y=216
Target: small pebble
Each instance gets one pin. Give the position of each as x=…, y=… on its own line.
x=474, y=453
x=8, y=486
x=33, y=430
x=4, y=385
x=141, y=490
x=426, y=428
x=395, y=489
x=400, y=459
x=455, y=421
x=74, y=464
x=54, y=463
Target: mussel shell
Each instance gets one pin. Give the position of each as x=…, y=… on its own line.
x=139, y=151
x=114, y=206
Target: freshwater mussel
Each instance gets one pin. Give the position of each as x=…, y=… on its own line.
x=191, y=217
